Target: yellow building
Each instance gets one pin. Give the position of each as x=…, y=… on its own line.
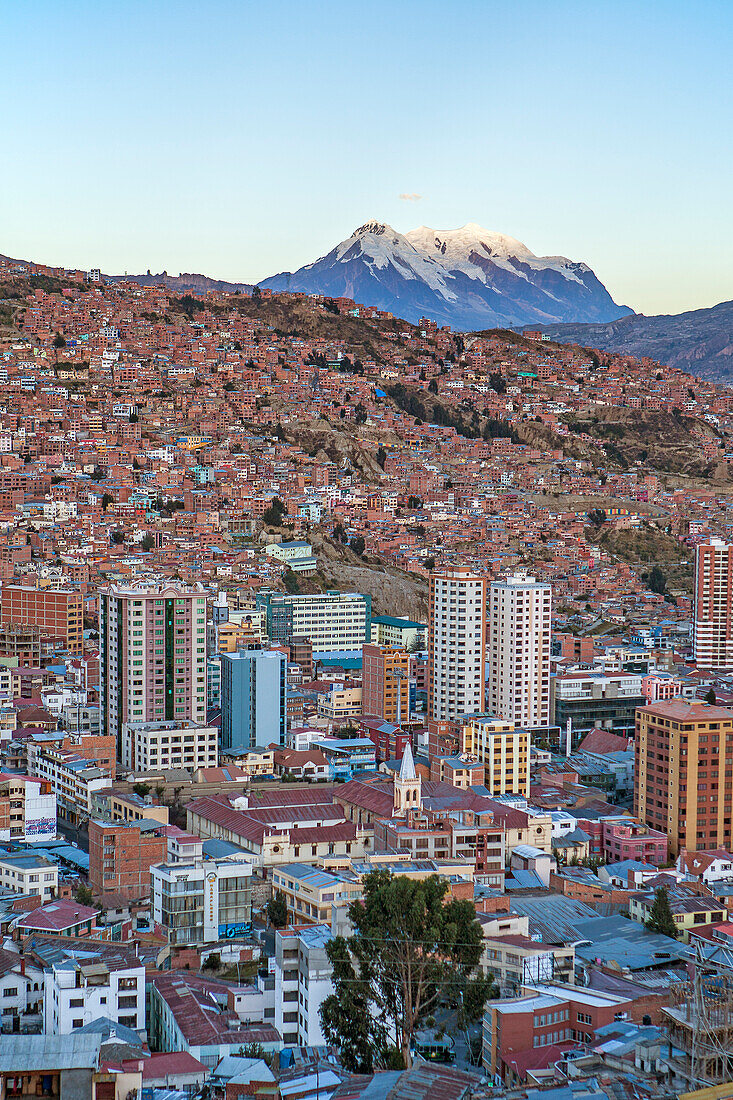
x=123, y=806
x=690, y=911
x=502, y=749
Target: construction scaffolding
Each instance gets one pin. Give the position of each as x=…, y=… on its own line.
x=700, y=1022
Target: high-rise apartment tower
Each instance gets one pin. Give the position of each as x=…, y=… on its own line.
x=152, y=654
x=457, y=643
x=519, y=650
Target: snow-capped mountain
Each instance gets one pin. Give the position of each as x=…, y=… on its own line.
x=468, y=278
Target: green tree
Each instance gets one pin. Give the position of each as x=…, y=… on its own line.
x=118, y=537
x=657, y=581
x=291, y=582
x=661, y=919
x=410, y=951
x=597, y=516
x=710, y=697
x=277, y=910
x=432, y=386
x=141, y=789
x=357, y=544
x=107, y=499
x=147, y=542
x=84, y=895
x=348, y=1015
x=58, y=341
x=256, y=294
x=273, y=516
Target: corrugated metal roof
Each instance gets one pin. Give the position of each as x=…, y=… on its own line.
x=49, y=1052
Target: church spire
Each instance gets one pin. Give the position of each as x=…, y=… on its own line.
x=407, y=786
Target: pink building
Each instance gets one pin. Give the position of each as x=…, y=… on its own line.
x=658, y=687
x=624, y=839
x=152, y=654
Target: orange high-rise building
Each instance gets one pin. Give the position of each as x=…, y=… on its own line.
x=684, y=773
x=385, y=684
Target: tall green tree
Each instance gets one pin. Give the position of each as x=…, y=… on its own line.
x=277, y=910
x=410, y=952
x=661, y=918
x=348, y=1016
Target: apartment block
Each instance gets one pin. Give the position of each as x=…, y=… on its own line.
x=591, y=699
x=501, y=748
x=253, y=699
x=121, y=855
x=203, y=901
x=543, y=1016
x=152, y=654
x=683, y=765
x=712, y=616
x=518, y=654
x=388, y=630
x=32, y=875
x=456, y=643
x=331, y=620
x=58, y=612
x=27, y=808
x=302, y=982
x=74, y=781
x=153, y=746
x=385, y=683
x=98, y=982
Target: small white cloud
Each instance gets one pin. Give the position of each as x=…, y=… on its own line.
x=410, y=196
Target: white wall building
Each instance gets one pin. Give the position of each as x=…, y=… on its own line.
x=712, y=616
x=82, y=988
x=74, y=780
x=456, y=643
x=519, y=650
x=203, y=901
x=302, y=983
x=24, y=873
x=334, y=621
x=32, y=810
x=151, y=746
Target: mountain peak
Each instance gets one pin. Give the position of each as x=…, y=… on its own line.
x=469, y=278
x=374, y=227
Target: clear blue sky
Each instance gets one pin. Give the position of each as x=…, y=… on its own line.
x=240, y=139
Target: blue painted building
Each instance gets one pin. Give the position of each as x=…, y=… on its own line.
x=253, y=698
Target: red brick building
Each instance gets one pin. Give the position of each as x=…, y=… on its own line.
x=518, y=1032
x=121, y=854
x=58, y=612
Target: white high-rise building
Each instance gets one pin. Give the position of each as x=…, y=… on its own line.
x=457, y=643
x=519, y=650
x=712, y=619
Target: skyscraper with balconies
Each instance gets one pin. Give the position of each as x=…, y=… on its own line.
x=712, y=619
x=457, y=643
x=519, y=650
x=152, y=654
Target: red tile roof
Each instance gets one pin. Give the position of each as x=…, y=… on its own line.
x=603, y=741
x=58, y=915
